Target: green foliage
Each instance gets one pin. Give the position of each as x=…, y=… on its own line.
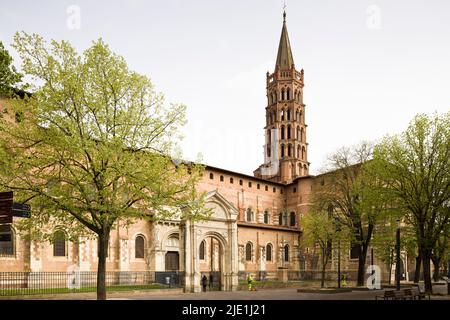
x=8, y=73
x=95, y=145
x=414, y=168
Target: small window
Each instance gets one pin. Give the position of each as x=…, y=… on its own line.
x=269, y=252
x=257, y=186
x=266, y=188
x=202, y=250
x=59, y=244
x=280, y=219
x=286, y=253
x=211, y=176
x=248, y=251
x=294, y=190
x=139, y=247
x=355, y=251
x=274, y=189
x=249, y=215
x=241, y=182
x=6, y=240
x=221, y=178
x=231, y=180
x=266, y=217
x=281, y=191
x=292, y=219
x=249, y=184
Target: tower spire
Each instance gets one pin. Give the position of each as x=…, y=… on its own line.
x=285, y=59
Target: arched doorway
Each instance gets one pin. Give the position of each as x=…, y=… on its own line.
x=215, y=238
x=210, y=262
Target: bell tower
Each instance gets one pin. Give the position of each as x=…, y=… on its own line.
x=285, y=148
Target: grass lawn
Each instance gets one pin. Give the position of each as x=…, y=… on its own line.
x=27, y=291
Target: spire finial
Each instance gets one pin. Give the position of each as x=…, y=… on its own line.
x=284, y=11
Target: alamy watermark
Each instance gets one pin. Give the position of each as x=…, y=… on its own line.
x=374, y=280
x=373, y=20
x=73, y=20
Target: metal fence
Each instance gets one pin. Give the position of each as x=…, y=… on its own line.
x=19, y=283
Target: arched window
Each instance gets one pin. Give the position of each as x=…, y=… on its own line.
x=268, y=151
x=59, y=244
x=298, y=151
x=305, y=169
x=289, y=150
x=211, y=176
x=303, y=153
x=288, y=94
x=292, y=219
x=285, y=218
x=248, y=251
x=288, y=131
x=282, y=151
x=7, y=238
x=296, y=116
x=282, y=132
x=280, y=219
x=286, y=253
x=269, y=252
x=274, y=117
x=269, y=136
x=266, y=216
x=202, y=250
x=288, y=114
x=139, y=247
x=282, y=94
x=282, y=115
x=301, y=134
x=298, y=133
x=249, y=214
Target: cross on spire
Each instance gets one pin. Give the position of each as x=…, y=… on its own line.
x=284, y=11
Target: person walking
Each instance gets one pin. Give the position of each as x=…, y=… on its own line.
x=250, y=282
x=204, y=283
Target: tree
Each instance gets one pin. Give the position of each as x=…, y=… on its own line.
x=94, y=146
x=350, y=188
x=8, y=73
x=319, y=229
x=415, y=168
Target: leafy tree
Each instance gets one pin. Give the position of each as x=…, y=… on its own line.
x=319, y=230
x=350, y=188
x=414, y=167
x=94, y=147
x=8, y=74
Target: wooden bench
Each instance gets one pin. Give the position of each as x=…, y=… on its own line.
x=409, y=294
x=388, y=294
x=417, y=293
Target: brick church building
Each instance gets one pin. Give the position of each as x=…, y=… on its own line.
x=256, y=224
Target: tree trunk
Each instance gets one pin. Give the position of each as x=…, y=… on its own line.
x=436, y=263
x=362, y=265
x=391, y=260
x=426, y=257
x=101, y=270
x=324, y=258
x=417, y=271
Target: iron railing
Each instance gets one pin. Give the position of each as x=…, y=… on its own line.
x=22, y=283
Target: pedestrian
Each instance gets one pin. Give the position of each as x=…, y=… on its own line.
x=204, y=283
x=250, y=282
x=211, y=280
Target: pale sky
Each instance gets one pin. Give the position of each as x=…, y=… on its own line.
x=370, y=66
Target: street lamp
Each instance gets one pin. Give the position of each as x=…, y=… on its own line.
x=397, y=265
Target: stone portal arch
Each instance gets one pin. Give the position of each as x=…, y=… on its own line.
x=221, y=227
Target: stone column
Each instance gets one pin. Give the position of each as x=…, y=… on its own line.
x=234, y=257
x=124, y=259
x=84, y=254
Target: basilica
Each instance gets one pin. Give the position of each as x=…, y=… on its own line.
x=256, y=222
